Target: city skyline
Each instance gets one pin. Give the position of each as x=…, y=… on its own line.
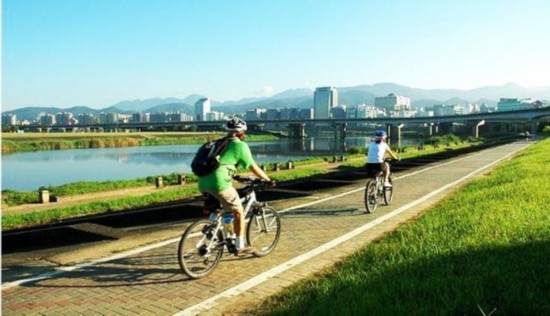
x=96, y=53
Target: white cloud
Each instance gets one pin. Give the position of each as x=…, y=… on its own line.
x=265, y=91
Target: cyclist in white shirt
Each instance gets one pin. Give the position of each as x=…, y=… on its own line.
x=375, y=156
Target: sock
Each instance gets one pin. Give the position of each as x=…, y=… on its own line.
x=240, y=242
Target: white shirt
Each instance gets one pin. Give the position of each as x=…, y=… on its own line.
x=376, y=152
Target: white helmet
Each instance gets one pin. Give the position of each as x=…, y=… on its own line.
x=235, y=125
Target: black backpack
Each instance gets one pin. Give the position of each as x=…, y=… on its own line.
x=207, y=158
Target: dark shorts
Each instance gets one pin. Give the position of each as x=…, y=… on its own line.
x=373, y=169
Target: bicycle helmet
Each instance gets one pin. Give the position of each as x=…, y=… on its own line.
x=380, y=133
x=235, y=125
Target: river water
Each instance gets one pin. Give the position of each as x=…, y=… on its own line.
x=31, y=170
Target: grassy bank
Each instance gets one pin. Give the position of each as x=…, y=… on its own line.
x=355, y=159
x=13, y=221
x=12, y=143
x=484, y=249
x=305, y=168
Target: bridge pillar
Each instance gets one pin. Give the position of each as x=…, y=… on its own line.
x=394, y=134
x=297, y=130
x=534, y=127
x=475, y=129
x=340, y=131
x=445, y=128
x=431, y=127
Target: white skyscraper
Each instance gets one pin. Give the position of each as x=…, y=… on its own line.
x=202, y=107
x=324, y=98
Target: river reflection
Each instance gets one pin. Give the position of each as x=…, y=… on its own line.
x=29, y=171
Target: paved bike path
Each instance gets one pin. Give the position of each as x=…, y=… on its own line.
x=149, y=281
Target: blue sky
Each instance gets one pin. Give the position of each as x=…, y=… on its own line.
x=99, y=52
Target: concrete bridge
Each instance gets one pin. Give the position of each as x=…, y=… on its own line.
x=503, y=121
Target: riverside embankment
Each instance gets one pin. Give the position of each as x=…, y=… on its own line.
x=116, y=277
x=81, y=200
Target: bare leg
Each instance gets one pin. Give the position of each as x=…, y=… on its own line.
x=386, y=172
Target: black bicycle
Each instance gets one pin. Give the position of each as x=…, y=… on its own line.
x=375, y=190
x=202, y=244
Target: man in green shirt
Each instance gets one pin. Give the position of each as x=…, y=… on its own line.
x=219, y=182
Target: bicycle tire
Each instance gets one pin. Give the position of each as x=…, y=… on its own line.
x=371, y=196
x=193, y=258
x=263, y=230
x=388, y=192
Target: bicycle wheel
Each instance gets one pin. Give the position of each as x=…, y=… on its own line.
x=388, y=192
x=263, y=230
x=370, y=196
x=199, y=252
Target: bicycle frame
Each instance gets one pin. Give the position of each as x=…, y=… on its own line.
x=203, y=242
x=216, y=217
x=375, y=189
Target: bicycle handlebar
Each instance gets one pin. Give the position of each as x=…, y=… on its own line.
x=253, y=181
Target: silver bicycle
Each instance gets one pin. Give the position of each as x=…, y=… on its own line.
x=375, y=190
x=203, y=243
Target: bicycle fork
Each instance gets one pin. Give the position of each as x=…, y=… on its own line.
x=209, y=238
x=258, y=209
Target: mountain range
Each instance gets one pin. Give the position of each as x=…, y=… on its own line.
x=303, y=98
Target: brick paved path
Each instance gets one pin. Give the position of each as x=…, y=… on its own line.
x=151, y=283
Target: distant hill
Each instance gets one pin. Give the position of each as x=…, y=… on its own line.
x=354, y=96
x=32, y=113
x=172, y=107
x=140, y=105
x=293, y=94
x=494, y=93
x=303, y=98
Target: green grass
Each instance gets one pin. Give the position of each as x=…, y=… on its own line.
x=306, y=168
x=12, y=143
x=486, y=247
x=12, y=198
x=12, y=221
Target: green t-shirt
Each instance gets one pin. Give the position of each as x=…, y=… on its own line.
x=237, y=154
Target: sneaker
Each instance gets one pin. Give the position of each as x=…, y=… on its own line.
x=244, y=251
x=387, y=184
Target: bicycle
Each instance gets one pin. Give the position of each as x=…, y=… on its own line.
x=203, y=243
x=375, y=189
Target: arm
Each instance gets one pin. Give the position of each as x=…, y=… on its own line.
x=392, y=154
x=259, y=172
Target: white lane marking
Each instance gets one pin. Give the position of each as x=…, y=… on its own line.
x=61, y=270
x=252, y=282
x=351, y=191
x=125, y=254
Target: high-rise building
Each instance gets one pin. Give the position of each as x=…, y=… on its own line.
x=158, y=117
x=339, y=112
x=509, y=104
x=9, y=119
x=47, y=119
x=202, y=107
x=87, y=119
x=324, y=98
x=290, y=114
x=140, y=117
x=214, y=116
x=108, y=118
x=64, y=118
x=255, y=114
x=393, y=102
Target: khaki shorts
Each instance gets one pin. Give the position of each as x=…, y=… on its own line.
x=229, y=199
